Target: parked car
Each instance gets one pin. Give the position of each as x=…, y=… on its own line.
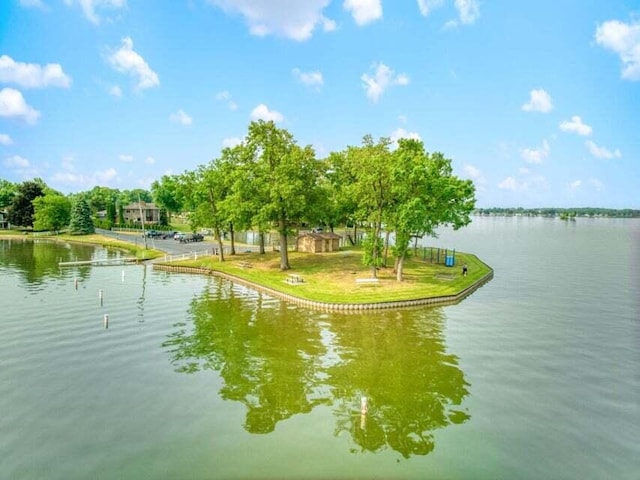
x=166, y=235
x=153, y=233
x=195, y=237
x=178, y=236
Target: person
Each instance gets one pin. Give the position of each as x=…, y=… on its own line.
x=464, y=270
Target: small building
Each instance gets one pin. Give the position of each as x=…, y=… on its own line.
x=4, y=223
x=150, y=213
x=311, y=242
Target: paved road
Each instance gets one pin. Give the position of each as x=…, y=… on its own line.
x=169, y=246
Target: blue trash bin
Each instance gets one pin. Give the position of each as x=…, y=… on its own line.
x=448, y=261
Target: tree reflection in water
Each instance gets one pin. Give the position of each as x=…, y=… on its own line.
x=280, y=360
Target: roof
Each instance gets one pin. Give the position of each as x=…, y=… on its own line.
x=321, y=236
x=144, y=205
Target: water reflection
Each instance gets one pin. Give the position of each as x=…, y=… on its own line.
x=279, y=360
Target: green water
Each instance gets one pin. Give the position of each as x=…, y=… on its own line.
x=536, y=375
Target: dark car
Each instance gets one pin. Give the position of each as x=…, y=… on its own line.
x=166, y=235
x=153, y=233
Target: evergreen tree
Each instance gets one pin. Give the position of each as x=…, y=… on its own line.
x=81, y=222
x=21, y=211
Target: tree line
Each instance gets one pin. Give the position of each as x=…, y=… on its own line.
x=269, y=182
x=563, y=212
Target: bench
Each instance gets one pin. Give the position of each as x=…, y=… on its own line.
x=294, y=279
x=366, y=281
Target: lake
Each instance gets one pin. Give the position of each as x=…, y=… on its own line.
x=535, y=375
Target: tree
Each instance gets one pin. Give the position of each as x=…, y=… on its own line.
x=52, y=211
x=8, y=191
x=166, y=194
x=21, y=209
x=81, y=222
x=284, y=176
x=425, y=195
x=369, y=169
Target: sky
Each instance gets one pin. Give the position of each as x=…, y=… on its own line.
x=538, y=102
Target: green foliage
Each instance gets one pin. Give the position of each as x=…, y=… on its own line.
x=81, y=222
x=51, y=212
x=8, y=191
x=167, y=194
x=21, y=211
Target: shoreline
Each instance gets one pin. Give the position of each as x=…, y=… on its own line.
x=333, y=306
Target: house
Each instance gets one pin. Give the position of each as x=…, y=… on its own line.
x=150, y=212
x=4, y=223
x=311, y=242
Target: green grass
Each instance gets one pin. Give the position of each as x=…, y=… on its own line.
x=331, y=277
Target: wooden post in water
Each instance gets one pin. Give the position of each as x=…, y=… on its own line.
x=75, y=283
x=106, y=321
x=100, y=296
x=364, y=408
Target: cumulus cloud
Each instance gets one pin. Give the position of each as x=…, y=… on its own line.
x=225, y=96
x=13, y=104
x=296, y=20
x=364, y=11
x=231, y=142
x=575, y=185
x=90, y=7
x=512, y=184
x=575, y=125
x=126, y=60
x=539, y=101
x=623, y=39
x=32, y=75
x=382, y=78
x=126, y=158
x=262, y=112
x=400, y=132
x=536, y=155
x=181, y=117
x=475, y=174
x=115, y=91
x=5, y=139
x=17, y=162
x=427, y=6
x=602, y=152
x=72, y=179
x=310, y=79
x=150, y=161
x=468, y=13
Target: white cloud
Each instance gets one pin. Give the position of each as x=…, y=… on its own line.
x=291, y=19
x=468, y=10
x=575, y=125
x=225, y=96
x=13, y=104
x=32, y=75
x=539, y=101
x=150, y=161
x=231, y=142
x=536, y=155
x=383, y=77
x=69, y=178
x=400, y=132
x=5, y=139
x=575, y=185
x=17, y=162
x=427, y=6
x=116, y=91
x=524, y=171
x=126, y=60
x=512, y=184
x=602, y=152
x=181, y=117
x=476, y=175
x=364, y=11
x=89, y=7
x=32, y=4
x=262, y=112
x=310, y=79
x=126, y=158
x=623, y=39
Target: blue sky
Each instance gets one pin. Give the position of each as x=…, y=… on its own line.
x=537, y=102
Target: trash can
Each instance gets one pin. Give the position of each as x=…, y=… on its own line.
x=448, y=261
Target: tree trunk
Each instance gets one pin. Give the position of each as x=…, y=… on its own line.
x=261, y=237
x=386, y=247
x=284, y=251
x=233, y=240
x=400, y=266
x=218, y=235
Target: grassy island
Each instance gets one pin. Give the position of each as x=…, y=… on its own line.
x=340, y=277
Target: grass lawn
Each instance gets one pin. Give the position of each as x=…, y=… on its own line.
x=95, y=239
x=331, y=277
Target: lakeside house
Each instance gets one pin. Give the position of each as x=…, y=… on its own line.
x=150, y=212
x=4, y=223
x=312, y=242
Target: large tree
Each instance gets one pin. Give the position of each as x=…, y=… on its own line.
x=8, y=190
x=81, y=222
x=52, y=211
x=167, y=195
x=425, y=195
x=285, y=179
x=21, y=209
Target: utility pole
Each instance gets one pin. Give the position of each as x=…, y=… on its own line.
x=142, y=220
